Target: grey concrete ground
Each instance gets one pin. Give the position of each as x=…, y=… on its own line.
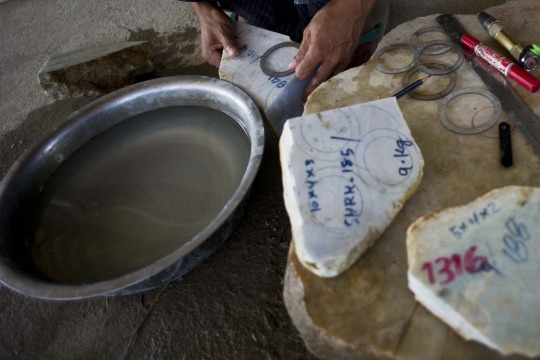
x=231, y=305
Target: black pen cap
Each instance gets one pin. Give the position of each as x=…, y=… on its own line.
x=486, y=20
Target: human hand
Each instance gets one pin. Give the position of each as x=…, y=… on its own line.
x=217, y=32
x=330, y=41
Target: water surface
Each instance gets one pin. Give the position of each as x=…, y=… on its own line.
x=137, y=192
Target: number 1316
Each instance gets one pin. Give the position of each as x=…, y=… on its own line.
x=455, y=265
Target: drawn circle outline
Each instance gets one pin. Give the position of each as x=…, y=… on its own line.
x=369, y=171
x=512, y=128
x=355, y=130
x=265, y=87
x=362, y=168
x=360, y=194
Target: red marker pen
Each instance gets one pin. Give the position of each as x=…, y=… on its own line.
x=504, y=65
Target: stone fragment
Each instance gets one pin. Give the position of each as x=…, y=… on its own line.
x=245, y=71
x=476, y=268
x=346, y=175
x=97, y=70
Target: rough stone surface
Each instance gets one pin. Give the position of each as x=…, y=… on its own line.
x=475, y=267
x=97, y=70
x=245, y=71
x=346, y=175
x=368, y=312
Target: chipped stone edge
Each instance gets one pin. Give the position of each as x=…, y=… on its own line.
x=439, y=308
x=317, y=340
x=456, y=321
x=332, y=266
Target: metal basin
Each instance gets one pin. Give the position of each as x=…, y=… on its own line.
x=110, y=202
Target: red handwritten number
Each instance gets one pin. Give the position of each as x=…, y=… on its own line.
x=455, y=265
x=427, y=266
x=470, y=261
x=450, y=276
x=456, y=259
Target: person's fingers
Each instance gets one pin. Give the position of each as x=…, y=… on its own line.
x=338, y=69
x=213, y=56
x=301, y=54
x=306, y=67
x=323, y=73
x=230, y=46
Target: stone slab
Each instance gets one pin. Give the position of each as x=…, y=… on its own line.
x=346, y=175
x=476, y=268
x=245, y=71
x=369, y=312
x=96, y=70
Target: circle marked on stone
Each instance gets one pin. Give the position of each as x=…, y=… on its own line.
x=497, y=110
x=264, y=60
x=512, y=128
x=383, y=144
x=328, y=216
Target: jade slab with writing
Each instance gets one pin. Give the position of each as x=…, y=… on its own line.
x=346, y=174
x=476, y=268
x=245, y=71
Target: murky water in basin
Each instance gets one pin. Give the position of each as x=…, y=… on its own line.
x=138, y=192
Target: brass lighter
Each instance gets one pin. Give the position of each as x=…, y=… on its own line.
x=525, y=58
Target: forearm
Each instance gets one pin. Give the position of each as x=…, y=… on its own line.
x=353, y=8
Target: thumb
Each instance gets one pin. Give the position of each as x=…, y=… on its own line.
x=300, y=55
x=229, y=45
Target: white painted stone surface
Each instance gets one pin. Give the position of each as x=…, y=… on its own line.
x=244, y=70
x=346, y=174
x=477, y=267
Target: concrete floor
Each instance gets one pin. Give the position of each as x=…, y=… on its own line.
x=230, y=306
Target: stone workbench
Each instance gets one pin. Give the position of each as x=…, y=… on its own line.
x=369, y=312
